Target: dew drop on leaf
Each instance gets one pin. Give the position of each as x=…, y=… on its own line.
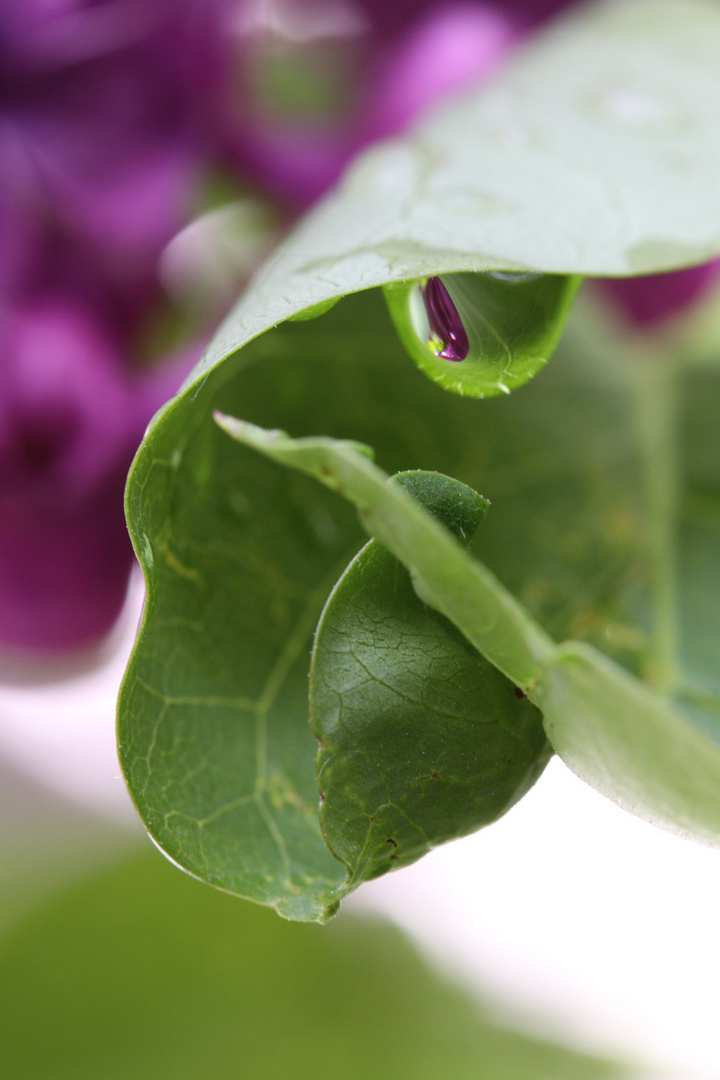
x=481, y=334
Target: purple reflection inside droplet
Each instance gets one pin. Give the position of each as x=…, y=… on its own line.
x=444, y=320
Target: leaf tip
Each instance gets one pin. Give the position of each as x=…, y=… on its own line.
x=245, y=432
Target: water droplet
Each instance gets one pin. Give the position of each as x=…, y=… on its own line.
x=481, y=334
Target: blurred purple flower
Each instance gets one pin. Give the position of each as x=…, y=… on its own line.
x=647, y=302
x=112, y=115
x=449, y=47
x=383, y=62
x=70, y=420
x=406, y=55
x=106, y=125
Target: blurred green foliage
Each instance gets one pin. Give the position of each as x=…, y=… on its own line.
x=139, y=973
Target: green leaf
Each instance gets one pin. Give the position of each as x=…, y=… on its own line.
x=512, y=321
x=139, y=974
x=240, y=557
x=545, y=170
x=244, y=554
x=628, y=742
x=444, y=575
x=421, y=739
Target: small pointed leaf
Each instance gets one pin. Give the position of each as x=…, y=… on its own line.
x=421, y=739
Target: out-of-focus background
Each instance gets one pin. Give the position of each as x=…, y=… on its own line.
x=567, y=918
x=152, y=152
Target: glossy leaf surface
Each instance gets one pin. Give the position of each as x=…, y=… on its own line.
x=421, y=739
x=544, y=169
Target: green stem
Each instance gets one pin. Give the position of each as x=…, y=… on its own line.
x=657, y=389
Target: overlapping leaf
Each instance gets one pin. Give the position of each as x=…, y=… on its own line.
x=421, y=739
x=627, y=741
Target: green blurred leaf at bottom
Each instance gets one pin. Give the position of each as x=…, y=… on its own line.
x=140, y=974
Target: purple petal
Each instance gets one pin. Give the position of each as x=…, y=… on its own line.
x=392, y=19
x=115, y=222
x=442, y=50
x=70, y=423
x=453, y=46
x=63, y=569
x=646, y=301
x=108, y=121
x=298, y=166
x=20, y=244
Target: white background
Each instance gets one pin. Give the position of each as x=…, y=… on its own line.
x=591, y=924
